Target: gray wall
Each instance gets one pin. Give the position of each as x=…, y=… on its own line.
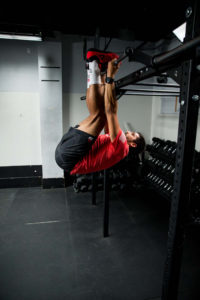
x=165, y=126
x=19, y=104
x=30, y=110
x=50, y=78
x=18, y=66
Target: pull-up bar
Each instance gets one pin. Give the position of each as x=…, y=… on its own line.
x=160, y=63
x=127, y=53
x=176, y=53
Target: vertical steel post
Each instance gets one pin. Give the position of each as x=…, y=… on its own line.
x=94, y=188
x=106, y=204
x=188, y=118
x=97, y=38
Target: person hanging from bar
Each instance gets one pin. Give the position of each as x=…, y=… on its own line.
x=83, y=149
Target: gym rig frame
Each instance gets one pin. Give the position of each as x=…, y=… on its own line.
x=185, y=59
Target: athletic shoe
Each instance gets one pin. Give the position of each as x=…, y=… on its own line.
x=102, y=57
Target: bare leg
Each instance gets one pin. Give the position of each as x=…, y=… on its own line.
x=95, y=122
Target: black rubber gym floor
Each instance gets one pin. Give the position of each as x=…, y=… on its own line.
x=52, y=247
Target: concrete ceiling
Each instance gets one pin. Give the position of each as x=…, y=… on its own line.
x=137, y=20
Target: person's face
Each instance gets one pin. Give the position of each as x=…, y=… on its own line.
x=131, y=137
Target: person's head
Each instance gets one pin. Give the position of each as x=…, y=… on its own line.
x=136, y=141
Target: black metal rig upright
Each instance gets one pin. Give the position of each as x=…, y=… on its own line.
x=188, y=118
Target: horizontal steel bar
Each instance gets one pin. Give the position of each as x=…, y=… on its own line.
x=46, y=67
x=150, y=94
x=136, y=76
x=160, y=63
x=158, y=85
x=50, y=80
x=176, y=53
x=153, y=91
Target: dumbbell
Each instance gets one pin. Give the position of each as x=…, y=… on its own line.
x=76, y=187
x=84, y=188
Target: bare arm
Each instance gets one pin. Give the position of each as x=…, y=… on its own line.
x=111, y=104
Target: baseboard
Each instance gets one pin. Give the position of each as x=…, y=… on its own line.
x=20, y=182
x=27, y=176
x=50, y=183
x=20, y=171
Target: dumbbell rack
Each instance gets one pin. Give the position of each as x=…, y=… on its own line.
x=159, y=167
x=158, y=173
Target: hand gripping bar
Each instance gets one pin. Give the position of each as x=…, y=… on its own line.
x=128, y=51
